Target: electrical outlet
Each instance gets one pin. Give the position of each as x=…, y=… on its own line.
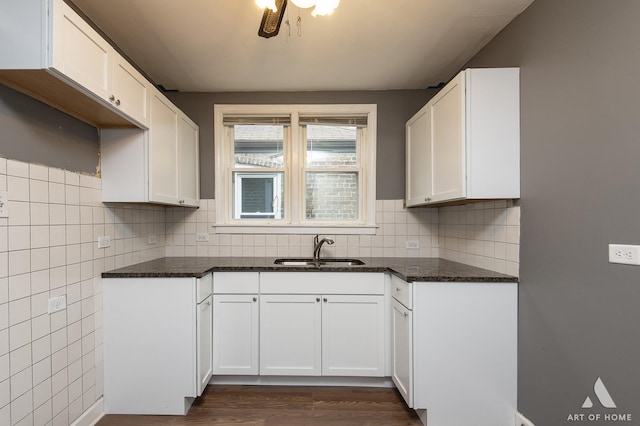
x=621, y=253
x=202, y=236
x=57, y=304
x=4, y=204
x=153, y=239
x=523, y=421
x=104, y=242
x=413, y=244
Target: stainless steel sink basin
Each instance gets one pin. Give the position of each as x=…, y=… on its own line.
x=317, y=263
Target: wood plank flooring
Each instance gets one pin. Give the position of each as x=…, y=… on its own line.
x=286, y=406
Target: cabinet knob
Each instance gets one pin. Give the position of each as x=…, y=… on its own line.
x=317, y=299
x=405, y=314
x=255, y=299
x=427, y=199
x=324, y=300
x=398, y=289
x=181, y=201
x=112, y=98
x=118, y=102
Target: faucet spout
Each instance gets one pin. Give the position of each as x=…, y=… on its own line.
x=317, y=245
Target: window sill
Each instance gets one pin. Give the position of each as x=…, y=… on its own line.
x=290, y=229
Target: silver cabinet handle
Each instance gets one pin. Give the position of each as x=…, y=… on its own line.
x=181, y=202
x=118, y=102
x=255, y=299
x=405, y=314
x=317, y=299
x=324, y=300
x=209, y=303
x=398, y=289
x=112, y=98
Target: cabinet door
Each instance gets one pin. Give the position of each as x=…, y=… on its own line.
x=204, y=321
x=78, y=51
x=236, y=334
x=448, y=141
x=163, y=150
x=418, y=158
x=402, y=347
x=189, y=164
x=129, y=90
x=353, y=335
x=290, y=335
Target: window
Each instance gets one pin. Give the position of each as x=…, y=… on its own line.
x=304, y=168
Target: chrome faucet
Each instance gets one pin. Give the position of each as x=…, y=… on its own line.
x=317, y=245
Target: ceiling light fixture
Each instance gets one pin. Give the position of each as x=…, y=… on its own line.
x=322, y=7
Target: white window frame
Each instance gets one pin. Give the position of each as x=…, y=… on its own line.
x=277, y=184
x=294, y=221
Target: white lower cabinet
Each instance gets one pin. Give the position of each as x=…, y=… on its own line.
x=353, y=335
x=157, y=343
x=290, y=335
x=305, y=324
x=236, y=323
x=455, y=351
x=322, y=323
x=204, y=324
x=402, y=350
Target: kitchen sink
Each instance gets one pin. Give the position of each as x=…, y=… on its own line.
x=317, y=263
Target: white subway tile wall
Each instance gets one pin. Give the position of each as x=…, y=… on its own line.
x=485, y=234
x=51, y=364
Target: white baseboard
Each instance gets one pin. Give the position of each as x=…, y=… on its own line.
x=522, y=420
x=380, y=382
x=92, y=415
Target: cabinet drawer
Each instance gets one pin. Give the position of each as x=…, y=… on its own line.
x=402, y=291
x=235, y=282
x=204, y=287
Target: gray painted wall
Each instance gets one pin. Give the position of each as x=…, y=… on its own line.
x=34, y=132
x=580, y=94
x=395, y=107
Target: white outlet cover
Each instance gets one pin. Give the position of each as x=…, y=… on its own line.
x=413, y=244
x=624, y=253
x=104, y=242
x=202, y=236
x=57, y=304
x=4, y=204
x=153, y=239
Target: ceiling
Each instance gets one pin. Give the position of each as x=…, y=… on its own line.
x=213, y=45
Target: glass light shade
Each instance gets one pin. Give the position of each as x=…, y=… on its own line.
x=325, y=7
x=303, y=4
x=271, y=4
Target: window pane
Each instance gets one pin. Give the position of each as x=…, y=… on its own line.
x=331, y=146
x=258, y=195
x=331, y=196
x=258, y=146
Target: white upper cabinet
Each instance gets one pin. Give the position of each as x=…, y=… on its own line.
x=159, y=165
x=188, y=159
x=49, y=52
x=464, y=144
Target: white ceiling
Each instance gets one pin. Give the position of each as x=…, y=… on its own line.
x=213, y=45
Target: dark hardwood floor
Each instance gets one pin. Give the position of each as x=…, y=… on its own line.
x=286, y=406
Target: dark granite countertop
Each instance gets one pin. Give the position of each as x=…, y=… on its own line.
x=409, y=269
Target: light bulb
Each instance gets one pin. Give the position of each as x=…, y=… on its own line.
x=325, y=7
x=271, y=4
x=303, y=4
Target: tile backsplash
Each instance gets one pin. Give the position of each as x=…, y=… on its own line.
x=484, y=234
x=51, y=364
